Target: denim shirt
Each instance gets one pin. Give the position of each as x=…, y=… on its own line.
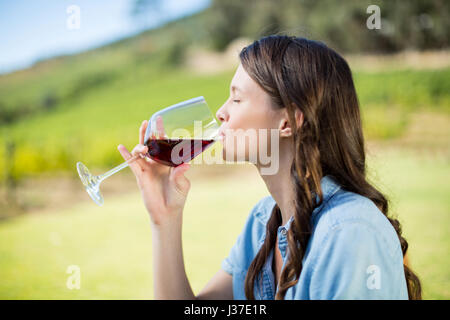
x=353, y=251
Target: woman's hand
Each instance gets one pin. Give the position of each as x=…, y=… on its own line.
x=164, y=189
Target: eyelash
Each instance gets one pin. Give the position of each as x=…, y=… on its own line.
x=237, y=101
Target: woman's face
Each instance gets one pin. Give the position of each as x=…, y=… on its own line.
x=247, y=112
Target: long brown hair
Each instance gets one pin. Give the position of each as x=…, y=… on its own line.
x=306, y=74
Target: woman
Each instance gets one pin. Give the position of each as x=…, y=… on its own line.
x=323, y=233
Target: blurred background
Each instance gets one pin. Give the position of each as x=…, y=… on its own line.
x=79, y=76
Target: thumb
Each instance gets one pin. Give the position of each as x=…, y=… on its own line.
x=177, y=176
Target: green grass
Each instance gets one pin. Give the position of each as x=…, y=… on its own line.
x=406, y=90
x=90, y=127
x=112, y=244
x=418, y=188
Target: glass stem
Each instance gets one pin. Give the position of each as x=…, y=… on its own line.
x=117, y=169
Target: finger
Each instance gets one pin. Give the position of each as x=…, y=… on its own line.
x=160, y=127
x=181, y=169
x=141, y=151
x=142, y=130
x=139, y=148
x=182, y=184
x=134, y=165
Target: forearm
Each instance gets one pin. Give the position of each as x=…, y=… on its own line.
x=169, y=275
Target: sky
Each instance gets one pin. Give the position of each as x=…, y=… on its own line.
x=31, y=30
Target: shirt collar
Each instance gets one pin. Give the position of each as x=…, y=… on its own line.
x=329, y=187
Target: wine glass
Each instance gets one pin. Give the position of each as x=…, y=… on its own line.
x=174, y=135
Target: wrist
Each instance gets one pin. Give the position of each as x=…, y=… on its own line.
x=166, y=238
x=171, y=223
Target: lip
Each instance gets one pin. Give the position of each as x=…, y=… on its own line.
x=221, y=134
x=220, y=137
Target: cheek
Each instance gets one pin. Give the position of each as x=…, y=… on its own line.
x=246, y=124
x=249, y=116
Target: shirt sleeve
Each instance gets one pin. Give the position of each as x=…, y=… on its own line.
x=355, y=261
x=228, y=264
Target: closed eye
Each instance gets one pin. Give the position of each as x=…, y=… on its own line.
x=237, y=101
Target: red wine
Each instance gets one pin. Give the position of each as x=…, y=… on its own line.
x=160, y=150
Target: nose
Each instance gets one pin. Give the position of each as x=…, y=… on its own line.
x=220, y=114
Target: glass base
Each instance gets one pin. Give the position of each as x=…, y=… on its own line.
x=91, y=183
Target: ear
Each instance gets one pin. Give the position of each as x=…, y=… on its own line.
x=285, y=127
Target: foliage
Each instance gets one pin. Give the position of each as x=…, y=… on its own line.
x=419, y=24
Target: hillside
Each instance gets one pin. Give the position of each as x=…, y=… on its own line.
x=81, y=107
